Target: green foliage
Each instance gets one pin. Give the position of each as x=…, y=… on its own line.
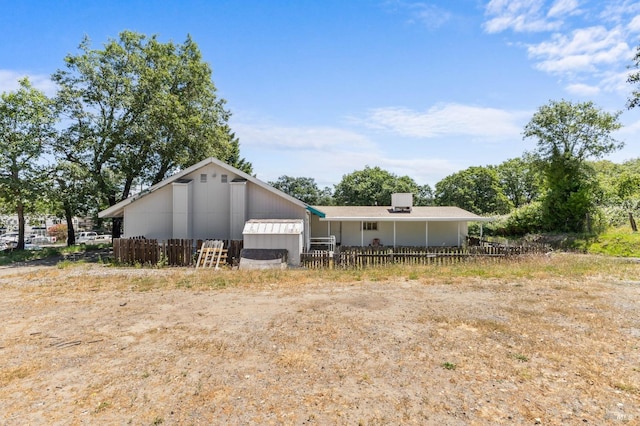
x=16, y=256
x=374, y=186
x=619, y=214
x=304, y=189
x=520, y=180
x=618, y=183
x=27, y=121
x=139, y=110
x=573, y=131
x=620, y=242
x=567, y=135
x=570, y=201
x=527, y=219
x=476, y=189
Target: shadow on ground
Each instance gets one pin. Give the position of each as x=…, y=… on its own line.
x=86, y=256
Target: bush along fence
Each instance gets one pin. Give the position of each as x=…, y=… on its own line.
x=361, y=257
x=174, y=252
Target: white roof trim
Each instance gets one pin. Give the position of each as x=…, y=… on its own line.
x=273, y=227
x=117, y=210
x=404, y=219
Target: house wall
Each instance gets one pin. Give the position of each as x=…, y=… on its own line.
x=238, y=195
x=151, y=215
x=211, y=203
x=264, y=204
x=182, y=209
x=407, y=233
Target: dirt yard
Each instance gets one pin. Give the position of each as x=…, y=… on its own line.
x=92, y=344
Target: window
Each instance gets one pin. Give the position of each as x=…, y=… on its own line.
x=203, y=177
x=369, y=226
x=223, y=178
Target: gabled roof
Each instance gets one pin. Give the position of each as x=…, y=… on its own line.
x=385, y=213
x=117, y=210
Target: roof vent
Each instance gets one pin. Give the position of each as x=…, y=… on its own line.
x=402, y=202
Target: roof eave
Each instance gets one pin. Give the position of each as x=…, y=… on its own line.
x=405, y=219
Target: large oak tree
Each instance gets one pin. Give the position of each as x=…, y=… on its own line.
x=138, y=110
x=27, y=118
x=374, y=186
x=476, y=189
x=567, y=135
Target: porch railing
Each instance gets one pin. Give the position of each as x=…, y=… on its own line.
x=323, y=243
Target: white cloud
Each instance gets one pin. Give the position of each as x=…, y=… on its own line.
x=422, y=170
x=618, y=11
x=584, y=50
x=9, y=81
x=429, y=15
x=581, y=89
x=523, y=15
x=616, y=82
x=327, y=153
x=298, y=138
x=449, y=119
x=563, y=7
x=634, y=25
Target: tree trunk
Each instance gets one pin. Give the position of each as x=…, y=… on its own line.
x=71, y=233
x=20, y=211
x=634, y=227
x=116, y=226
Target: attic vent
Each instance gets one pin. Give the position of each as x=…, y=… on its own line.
x=402, y=202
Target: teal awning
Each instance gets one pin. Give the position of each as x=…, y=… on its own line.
x=316, y=211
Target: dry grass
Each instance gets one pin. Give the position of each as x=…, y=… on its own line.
x=553, y=338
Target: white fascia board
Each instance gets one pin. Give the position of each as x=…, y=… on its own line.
x=405, y=219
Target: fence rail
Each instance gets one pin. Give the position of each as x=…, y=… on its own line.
x=173, y=252
x=361, y=257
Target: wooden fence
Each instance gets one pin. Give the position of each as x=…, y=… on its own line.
x=361, y=257
x=171, y=252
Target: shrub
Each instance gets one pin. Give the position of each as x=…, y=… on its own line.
x=58, y=231
x=524, y=220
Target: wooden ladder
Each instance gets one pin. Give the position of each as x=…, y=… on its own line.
x=212, y=254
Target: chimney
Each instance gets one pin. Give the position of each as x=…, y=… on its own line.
x=402, y=202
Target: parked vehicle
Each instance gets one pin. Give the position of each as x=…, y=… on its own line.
x=9, y=237
x=84, y=237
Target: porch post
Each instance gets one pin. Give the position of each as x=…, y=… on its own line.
x=361, y=234
x=458, y=233
x=426, y=233
x=394, y=234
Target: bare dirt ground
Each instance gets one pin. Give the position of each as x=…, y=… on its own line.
x=98, y=345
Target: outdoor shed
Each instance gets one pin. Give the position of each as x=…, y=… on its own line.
x=276, y=234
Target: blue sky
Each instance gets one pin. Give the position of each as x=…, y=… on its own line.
x=322, y=88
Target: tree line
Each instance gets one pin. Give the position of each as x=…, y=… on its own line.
x=562, y=185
